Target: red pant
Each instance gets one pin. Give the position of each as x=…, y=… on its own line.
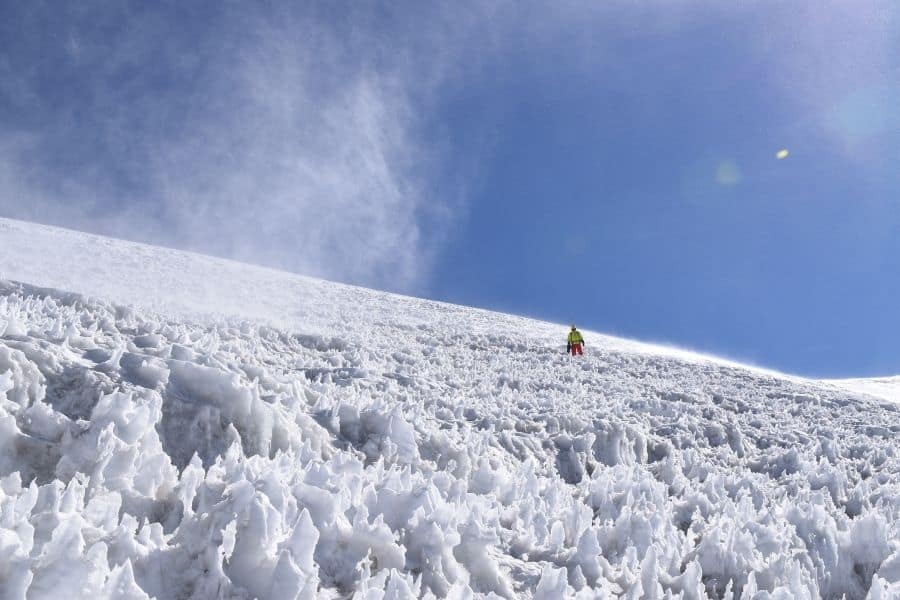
x=576, y=348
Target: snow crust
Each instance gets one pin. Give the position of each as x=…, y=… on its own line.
x=301, y=439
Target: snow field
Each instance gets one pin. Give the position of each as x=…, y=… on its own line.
x=421, y=450
x=885, y=388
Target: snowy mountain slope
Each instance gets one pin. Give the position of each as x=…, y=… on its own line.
x=265, y=435
x=887, y=388
x=201, y=287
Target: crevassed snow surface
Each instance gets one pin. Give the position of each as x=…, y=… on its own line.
x=194, y=428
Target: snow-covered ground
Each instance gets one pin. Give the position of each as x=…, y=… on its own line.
x=887, y=388
x=177, y=426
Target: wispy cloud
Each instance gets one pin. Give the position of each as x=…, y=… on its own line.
x=289, y=138
x=299, y=137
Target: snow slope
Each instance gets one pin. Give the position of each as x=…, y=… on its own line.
x=886, y=388
x=177, y=426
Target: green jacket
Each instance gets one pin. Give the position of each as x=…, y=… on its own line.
x=575, y=337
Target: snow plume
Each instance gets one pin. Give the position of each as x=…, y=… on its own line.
x=290, y=138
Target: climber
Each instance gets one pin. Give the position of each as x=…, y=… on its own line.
x=575, y=342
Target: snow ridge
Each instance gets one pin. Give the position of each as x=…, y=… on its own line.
x=148, y=456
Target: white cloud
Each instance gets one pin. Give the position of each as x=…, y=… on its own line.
x=281, y=139
x=295, y=139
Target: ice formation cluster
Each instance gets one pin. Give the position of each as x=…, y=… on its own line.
x=418, y=450
x=147, y=457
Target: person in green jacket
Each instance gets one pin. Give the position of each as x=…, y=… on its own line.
x=576, y=342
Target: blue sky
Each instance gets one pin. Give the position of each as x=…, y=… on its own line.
x=610, y=164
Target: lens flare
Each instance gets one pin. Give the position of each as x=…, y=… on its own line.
x=728, y=173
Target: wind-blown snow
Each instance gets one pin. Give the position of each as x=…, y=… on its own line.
x=237, y=433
